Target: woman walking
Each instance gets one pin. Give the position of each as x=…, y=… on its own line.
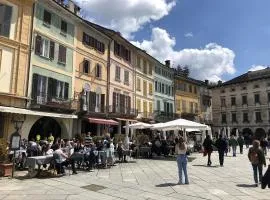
x=257, y=159
x=181, y=150
x=208, y=148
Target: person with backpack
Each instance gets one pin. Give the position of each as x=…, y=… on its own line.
x=257, y=159
x=222, y=147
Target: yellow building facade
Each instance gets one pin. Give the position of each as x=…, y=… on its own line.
x=187, y=97
x=144, y=85
x=15, y=39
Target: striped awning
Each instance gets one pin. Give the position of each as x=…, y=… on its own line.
x=102, y=121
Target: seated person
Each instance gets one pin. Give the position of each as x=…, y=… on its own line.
x=63, y=159
x=90, y=156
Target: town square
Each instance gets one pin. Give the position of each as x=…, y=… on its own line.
x=134, y=99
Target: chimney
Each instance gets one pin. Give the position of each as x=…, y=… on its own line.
x=168, y=63
x=206, y=82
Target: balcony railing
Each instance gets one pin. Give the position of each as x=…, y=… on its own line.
x=43, y=99
x=164, y=116
x=121, y=110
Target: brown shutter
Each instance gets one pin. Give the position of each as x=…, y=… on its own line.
x=122, y=103
x=102, y=104
x=114, y=102
x=38, y=45
x=51, y=50
x=34, y=86
x=129, y=104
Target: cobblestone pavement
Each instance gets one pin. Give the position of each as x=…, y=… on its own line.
x=145, y=179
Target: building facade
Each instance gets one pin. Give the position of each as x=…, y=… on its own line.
x=164, y=92
x=205, y=100
x=51, y=73
x=243, y=103
x=187, y=96
x=15, y=31
x=144, y=86
x=92, y=55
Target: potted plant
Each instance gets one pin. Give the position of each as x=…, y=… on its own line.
x=5, y=165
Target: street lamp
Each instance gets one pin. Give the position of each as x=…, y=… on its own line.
x=17, y=124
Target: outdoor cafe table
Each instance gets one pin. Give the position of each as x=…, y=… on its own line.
x=32, y=162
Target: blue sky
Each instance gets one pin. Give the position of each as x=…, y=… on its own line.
x=239, y=30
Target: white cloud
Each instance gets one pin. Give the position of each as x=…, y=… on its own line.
x=210, y=62
x=126, y=16
x=188, y=35
x=257, y=67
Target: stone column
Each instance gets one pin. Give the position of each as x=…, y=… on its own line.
x=127, y=128
x=164, y=135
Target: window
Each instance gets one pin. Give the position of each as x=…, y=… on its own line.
x=44, y=47
x=222, y=91
x=126, y=77
x=184, y=106
x=138, y=62
x=190, y=88
x=145, y=108
x=159, y=87
x=178, y=105
x=47, y=17
x=144, y=67
x=86, y=66
x=122, y=51
x=138, y=105
x=63, y=27
x=268, y=97
x=62, y=54
x=244, y=88
x=144, y=88
x=117, y=73
x=98, y=71
x=223, y=118
x=156, y=86
x=223, y=102
x=245, y=117
x=191, y=107
x=233, y=101
x=5, y=19
x=138, y=84
x=158, y=105
x=150, y=69
x=195, y=90
x=94, y=43
x=256, y=86
x=234, y=120
x=257, y=98
x=162, y=88
x=232, y=89
x=244, y=100
x=150, y=89
x=258, y=116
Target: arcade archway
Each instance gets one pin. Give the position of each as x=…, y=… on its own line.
x=44, y=126
x=260, y=133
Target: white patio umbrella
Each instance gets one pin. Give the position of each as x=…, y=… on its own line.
x=139, y=125
x=180, y=124
x=157, y=126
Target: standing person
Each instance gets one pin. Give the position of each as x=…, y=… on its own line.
x=87, y=139
x=264, y=145
x=181, y=150
x=51, y=139
x=241, y=141
x=233, y=142
x=208, y=148
x=257, y=159
x=222, y=147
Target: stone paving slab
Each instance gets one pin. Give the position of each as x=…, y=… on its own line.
x=143, y=179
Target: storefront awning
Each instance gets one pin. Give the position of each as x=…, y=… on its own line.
x=102, y=121
x=38, y=113
x=123, y=119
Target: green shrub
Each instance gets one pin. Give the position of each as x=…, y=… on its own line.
x=3, y=151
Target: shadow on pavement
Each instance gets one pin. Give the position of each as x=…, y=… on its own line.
x=166, y=185
x=206, y=166
x=246, y=185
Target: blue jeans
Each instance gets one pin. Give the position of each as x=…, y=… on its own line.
x=257, y=168
x=182, y=167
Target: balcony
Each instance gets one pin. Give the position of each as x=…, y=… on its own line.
x=121, y=111
x=162, y=116
x=46, y=102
